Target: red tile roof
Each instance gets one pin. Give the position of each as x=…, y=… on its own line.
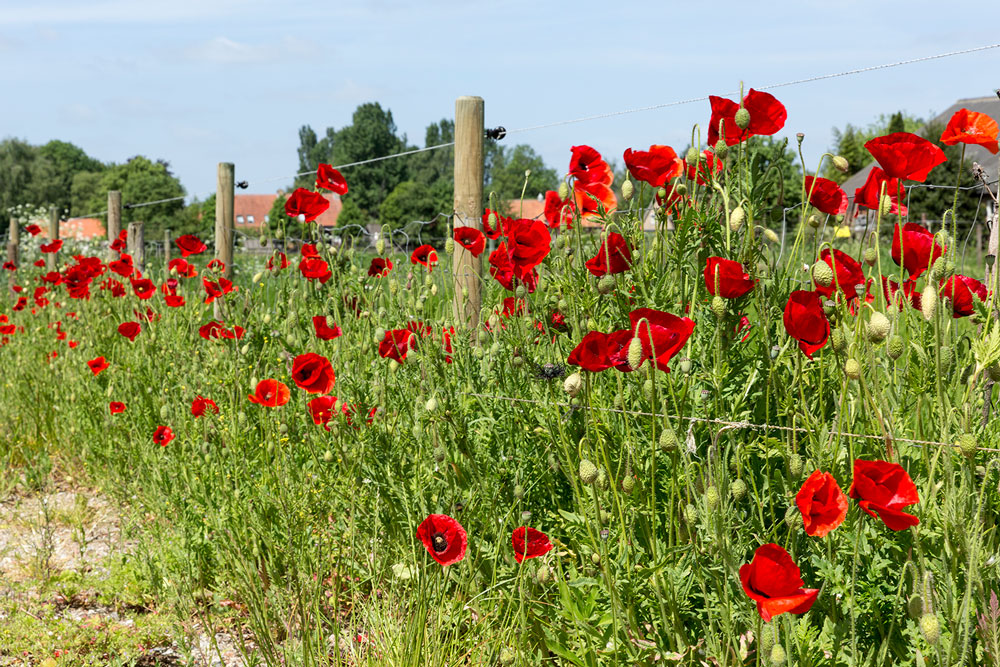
x=79, y=229
x=258, y=207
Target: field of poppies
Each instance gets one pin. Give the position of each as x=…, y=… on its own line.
x=697, y=442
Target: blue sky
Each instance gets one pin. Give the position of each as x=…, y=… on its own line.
x=197, y=82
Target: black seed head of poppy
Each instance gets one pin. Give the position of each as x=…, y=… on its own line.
x=440, y=543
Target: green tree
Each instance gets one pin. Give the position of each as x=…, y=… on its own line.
x=66, y=161
x=25, y=178
x=142, y=180
x=510, y=168
x=777, y=153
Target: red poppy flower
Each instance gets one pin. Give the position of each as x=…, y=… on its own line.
x=826, y=195
x=425, y=255
x=960, y=291
x=822, y=504
x=890, y=288
x=732, y=278
x=116, y=407
x=200, y=404
x=55, y=246
x=189, y=244
x=706, y=169
x=528, y=243
x=123, y=266
x=215, y=290
x=590, y=198
x=162, y=435
x=876, y=185
x=143, y=288
x=558, y=211
x=911, y=247
x=471, y=239
x=492, y=231
x=380, y=267
x=323, y=330
x=97, y=365
x=883, y=490
x=396, y=344
x=174, y=300
x=806, y=322
x=313, y=373
x=130, y=329
x=270, y=393
x=587, y=166
x=33, y=229
x=314, y=268
x=847, y=272
x=182, y=268
x=662, y=334
x=613, y=256
x=444, y=538
x=529, y=543
x=591, y=353
x=119, y=243
x=10, y=266
x=281, y=263
x=905, y=156
x=502, y=270
x=321, y=409
x=774, y=582
x=972, y=128
x=309, y=250
x=217, y=265
x=330, y=179
x=767, y=116
x=306, y=203
x=656, y=166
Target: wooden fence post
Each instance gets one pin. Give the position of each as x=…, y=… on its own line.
x=52, y=258
x=114, y=217
x=136, y=245
x=224, y=220
x=466, y=269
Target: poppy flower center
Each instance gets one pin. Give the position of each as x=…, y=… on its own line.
x=440, y=543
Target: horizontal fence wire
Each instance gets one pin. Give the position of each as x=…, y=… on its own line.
x=722, y=422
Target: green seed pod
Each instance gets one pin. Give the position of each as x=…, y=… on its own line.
x=662, y=193
x=721, y=148
x=822, y=274
x=627, y=190
x=712, y=498
x=737, y=218
x=742, y=118
x=606, y=285
x=573, y=384
x=668, y=440
x=871, y=256
x=878, y=327
x=967, y=445
x=795, y=466
x=852, y=369
x=519, y=492
x=685, y=365
x=841, y=164
x=738, y=489
x=777, y=655
x=718, y=307
x=635, y=353
x=930, y=628
x=792, y=517
x=628, y=484
x=895, y=347
x=588, y=472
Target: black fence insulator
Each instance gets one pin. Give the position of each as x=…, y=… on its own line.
x=242, y=185
x=496, y=133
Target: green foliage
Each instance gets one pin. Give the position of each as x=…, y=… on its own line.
x=142, y=180
x=508, y=174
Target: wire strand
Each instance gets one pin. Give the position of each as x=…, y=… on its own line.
x=822, y=77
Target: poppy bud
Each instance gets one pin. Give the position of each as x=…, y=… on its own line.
x=393, y=286
x=766, y=640
x=507, y=657
x=838, y=340
x=966, y=444
x=394, y=365
x=841, y=164
x=738, y=489
x=432, y=404
x=635, y=353
x=884, y=204
x=573, y=384
x=795, y=465
x=679, y=189
x=693, y=157
x=792, y=517
x=930, y=628
x=939, y=270
x=380, y=246
x=685, y=365
x=941, y=239
x=553, y=463
x=742, y=118
x=721, y=148
x=871, y=256
x=947, y=358
x=647, y=389
x=602, y=483
x=928, y=302
x=852, y=369
x=327, y=456
x=245, y=349
x=895, y=347
x=915, y=605
x=278, y=234
x=543, y=574
x=712, y=498
x=771, y=236
x=628, y=484
x=164, y=412
x=822, y=274
x=718, y=307
x=588, y=472
x=627, y=190
x=267, y=318
x=878, y=327
x=595, y=558
x=257, y=277
x=736, y=218
x=494, y=348
x=690, y=514
x=518, y=491
x=777, y=655
x=591, y=324
x=283, y=429
x=606, y=285
x=449, y=246
x=662, y=193
x=563, y=192
x=814, y=221
x=439, y=454
x=668, y=440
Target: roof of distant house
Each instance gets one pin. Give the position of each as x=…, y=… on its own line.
x=78, y=229
x=251, y=211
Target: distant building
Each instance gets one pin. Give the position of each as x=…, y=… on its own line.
x=252, y=211
x=78, y=229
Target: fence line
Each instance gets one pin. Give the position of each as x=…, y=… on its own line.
x=722, y=422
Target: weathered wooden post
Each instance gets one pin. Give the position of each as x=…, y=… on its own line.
x=114, y=217
x=466, y=269
x=224, y=222
x=166, y=252
x=52, y=258
x=136, y=245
